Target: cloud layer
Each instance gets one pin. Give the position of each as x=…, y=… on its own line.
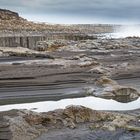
x=109, y=10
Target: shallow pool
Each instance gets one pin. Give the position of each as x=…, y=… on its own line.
x=90, y=102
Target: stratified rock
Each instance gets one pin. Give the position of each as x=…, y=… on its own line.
x=5, y=133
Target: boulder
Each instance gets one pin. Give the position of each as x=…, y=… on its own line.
x=110, y=89
x=119, y=93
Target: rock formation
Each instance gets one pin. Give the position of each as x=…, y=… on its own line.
x=112, y=90
x=29, y=125
x=8, y=15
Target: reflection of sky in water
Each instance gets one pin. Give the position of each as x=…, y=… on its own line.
x=91, y=102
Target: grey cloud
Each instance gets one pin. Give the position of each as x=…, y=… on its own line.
x=109, y=9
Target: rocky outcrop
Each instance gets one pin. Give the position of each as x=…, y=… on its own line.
x=29, y=125
x=8, y=15
x=112, y=90
x=120, y=93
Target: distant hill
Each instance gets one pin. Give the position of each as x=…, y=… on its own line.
x=9, y=15
x=12, y=22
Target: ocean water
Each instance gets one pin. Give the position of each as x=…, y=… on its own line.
x=124, y=31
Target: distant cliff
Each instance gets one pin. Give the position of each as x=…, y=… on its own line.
x=11, y=21
x=8, y=15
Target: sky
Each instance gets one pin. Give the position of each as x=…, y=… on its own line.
x=76, y=11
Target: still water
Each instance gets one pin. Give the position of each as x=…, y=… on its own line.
x=90, y=102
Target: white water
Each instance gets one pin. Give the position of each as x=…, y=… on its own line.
x=90, y=102
x=125, y=31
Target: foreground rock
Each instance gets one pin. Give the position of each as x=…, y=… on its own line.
x=112, y=90
x=23, y=124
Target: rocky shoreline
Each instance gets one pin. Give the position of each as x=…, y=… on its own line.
x=98, y=69
x=52, y=68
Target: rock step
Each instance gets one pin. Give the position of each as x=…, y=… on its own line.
x=5, y=133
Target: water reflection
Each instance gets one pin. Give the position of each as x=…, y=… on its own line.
x=91, y=102
x=125, y=98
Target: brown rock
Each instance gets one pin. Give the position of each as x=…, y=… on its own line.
x=8, y=15
x=104, y=81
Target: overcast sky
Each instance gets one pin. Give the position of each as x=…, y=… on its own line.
x=76, y=11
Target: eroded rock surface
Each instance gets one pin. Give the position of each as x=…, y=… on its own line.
x=29, y=125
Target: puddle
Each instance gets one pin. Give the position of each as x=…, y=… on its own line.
x=90, y=102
